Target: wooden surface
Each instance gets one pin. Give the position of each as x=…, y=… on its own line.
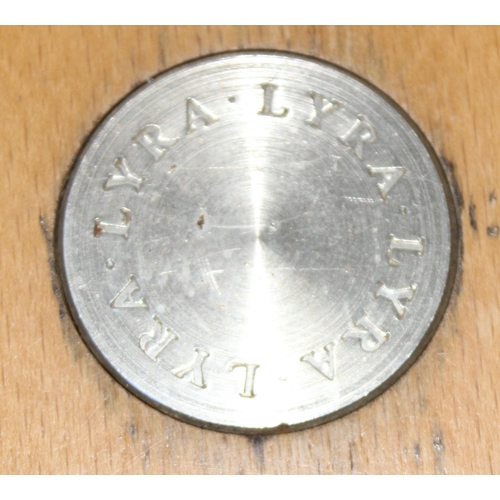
x=60, y=412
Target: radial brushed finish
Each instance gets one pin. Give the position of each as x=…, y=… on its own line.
x=257, y=242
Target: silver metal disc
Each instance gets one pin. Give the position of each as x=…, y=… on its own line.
x=257, y=241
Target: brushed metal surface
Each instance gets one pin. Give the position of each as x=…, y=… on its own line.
x=225, y=242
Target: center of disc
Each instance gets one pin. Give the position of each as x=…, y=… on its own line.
x=259, y=237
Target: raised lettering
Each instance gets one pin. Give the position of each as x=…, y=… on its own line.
x=153, y=342
x=371, y=336
x=125, y=298
x=101, y=227
x=322, y=106
x=416, y=245
x=395, y=295
x=250, y=370
x=360, y=133
x=195, y=368
x=323, y=361
x=151, y=139
x=267, y=107
x=124, y=178
x=391, y=175
x=196, y=112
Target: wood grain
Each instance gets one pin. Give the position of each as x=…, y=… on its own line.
x=60, y=412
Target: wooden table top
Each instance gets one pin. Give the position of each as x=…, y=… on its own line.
x=62, y=413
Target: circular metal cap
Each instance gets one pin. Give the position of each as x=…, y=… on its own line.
x=257, y=241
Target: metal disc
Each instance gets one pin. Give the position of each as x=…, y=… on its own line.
x=257, y=241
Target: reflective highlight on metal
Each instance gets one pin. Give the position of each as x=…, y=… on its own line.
x=257, y=242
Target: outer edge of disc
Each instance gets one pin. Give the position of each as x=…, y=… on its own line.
x=455, y=252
